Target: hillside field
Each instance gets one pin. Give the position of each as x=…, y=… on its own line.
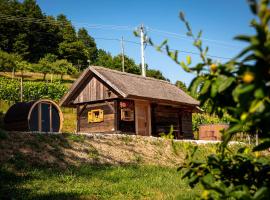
x=70, y=166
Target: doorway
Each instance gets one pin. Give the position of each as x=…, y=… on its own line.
x=44, y=118
x=142, y=112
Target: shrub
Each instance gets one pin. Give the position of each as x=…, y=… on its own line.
x=199, y=119
x=10, y=90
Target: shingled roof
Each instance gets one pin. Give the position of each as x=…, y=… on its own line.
x=133, y=86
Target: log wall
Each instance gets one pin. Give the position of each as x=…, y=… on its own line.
x=108, y=125
x=163, y=117
x=186, y=120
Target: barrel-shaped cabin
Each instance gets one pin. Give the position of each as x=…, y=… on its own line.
x=111, y=101
x=42, y=115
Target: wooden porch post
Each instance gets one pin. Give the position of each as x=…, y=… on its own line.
x=116, y=116
x=78, y=119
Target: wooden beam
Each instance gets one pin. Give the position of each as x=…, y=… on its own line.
x=153, y=120
x=51, y=129
x=94, y=102
x=78, y=119
x=116, y=115
x=82, y=109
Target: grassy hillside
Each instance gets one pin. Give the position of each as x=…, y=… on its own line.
x=68, y=166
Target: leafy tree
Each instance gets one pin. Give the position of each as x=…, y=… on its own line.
x=32, y=37
x=8, y=61
x=45, y=65
x=63, y=67
x=67, y=31
x=74, y=52
x=239, y=87
x=90, y=45
x=129, y=64
x=155, y=74
x=181, y=85
x=104, y=59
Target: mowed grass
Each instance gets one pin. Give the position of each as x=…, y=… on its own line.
x=95, y=182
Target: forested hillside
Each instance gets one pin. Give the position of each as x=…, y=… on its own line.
x=30, y=40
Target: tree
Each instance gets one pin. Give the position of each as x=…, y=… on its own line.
x=155, y=74
x=130, y=65
x=240, y=88
x=181, y=85
x=25, y=30
x=45, y=65
x=104, y=59
x=8, y=61
x=63, y=67
x=74, y=52
x=90, y=45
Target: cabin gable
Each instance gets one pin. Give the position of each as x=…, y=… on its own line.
x=94, y=90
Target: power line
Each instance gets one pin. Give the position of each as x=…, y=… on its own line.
x=50, y=22
x=185, y=37
x=101, y=26
x=111, y=27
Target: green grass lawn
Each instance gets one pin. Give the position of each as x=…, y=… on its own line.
x=94, y=182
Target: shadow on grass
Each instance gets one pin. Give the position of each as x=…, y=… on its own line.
x=9, y=181
x=42, y=166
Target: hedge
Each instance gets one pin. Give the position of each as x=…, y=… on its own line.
x=10, y=90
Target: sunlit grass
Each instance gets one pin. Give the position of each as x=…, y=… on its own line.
x=96, y=182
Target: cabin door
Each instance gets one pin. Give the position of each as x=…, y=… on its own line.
x=142, y=118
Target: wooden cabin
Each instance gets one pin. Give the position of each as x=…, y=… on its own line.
x=113, y=101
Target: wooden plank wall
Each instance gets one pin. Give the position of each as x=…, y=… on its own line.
x=108, y=125
x=187, y=125
x=165, y=116
x=162, y=119
x=94, y=90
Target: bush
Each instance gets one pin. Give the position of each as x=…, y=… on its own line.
x=10, y=90
x=199, y=119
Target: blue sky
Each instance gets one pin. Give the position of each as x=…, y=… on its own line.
x=219, y=20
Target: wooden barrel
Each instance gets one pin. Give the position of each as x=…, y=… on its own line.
x=42, y=115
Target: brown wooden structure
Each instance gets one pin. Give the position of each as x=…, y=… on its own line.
x=113, y=101
x=211, y=131
x=42, y=115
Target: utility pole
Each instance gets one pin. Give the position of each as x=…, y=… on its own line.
x=142, y=50
x=123, y=54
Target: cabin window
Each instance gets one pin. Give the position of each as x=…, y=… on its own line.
x=127, y=114
x=127, y=110
x=95, y=116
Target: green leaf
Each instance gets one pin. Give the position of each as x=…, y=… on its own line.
x=158, y=48
x=205, y=87
x=256, y=106
x=243, y=38
x=261, y=193
x=225, y=84
x=253, y=6
x=199, y=34
x=262, y=146
x=259, y=93
x=182, y=16
x=188, y=60
x=242, y=89
x=184, y=66
x=194, y=85
x=214, y=90
x=198, y=43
